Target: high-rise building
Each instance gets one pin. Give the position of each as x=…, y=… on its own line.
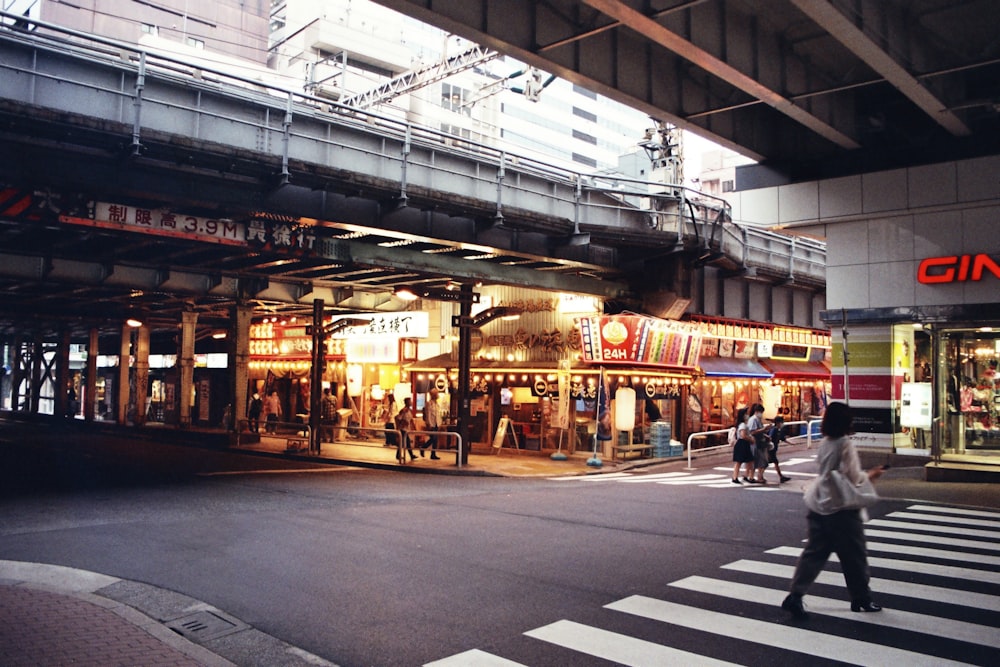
x=346, y=48
x=236, y=28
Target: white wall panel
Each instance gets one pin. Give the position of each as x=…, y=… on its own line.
x=884, y=191
x=847, y=286
x=981, y=229
x=840, y=196
x=760, y=206
x=847, y=244
x=890, y=239
x=891, y=284
x=937, y=234
x=937, y=295
x=932, y=185
x=798, y=202
x=977, y=179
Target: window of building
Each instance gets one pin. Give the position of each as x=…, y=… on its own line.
x=454, y=98
x=583, y=91
x=584, y=160
x=728, y=186
x=148, y=29
x=583, y=136
x=577, y=111
x=195, y=42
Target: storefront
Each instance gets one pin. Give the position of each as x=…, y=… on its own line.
x=914, y=308
x=783, y=368
x=363, y=363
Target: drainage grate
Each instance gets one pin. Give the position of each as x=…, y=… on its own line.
x=202, y=626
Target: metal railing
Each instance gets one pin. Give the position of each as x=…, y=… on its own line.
x=297, y=437
x=718, y=448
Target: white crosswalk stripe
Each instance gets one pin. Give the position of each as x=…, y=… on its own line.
x=790, y=638
x=931, y=567
x=616, y=647
x=719, y=480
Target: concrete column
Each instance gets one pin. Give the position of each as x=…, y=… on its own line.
x=239, y=357
x=189, y=320
x=62, y=376
x=35, y=384
x=141, y=374
x=17, y=374
x=90, y=391
x=122, y=395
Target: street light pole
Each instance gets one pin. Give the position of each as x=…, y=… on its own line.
x=316, y=379
x=464, y=370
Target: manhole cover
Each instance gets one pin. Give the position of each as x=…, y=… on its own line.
x=202, y=626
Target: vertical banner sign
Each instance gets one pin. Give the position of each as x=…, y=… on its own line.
x=562, y=415
x=203, y=396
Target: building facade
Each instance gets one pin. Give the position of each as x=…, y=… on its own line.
x=913, y=270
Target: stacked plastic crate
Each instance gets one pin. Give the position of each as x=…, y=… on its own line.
x=659, y=438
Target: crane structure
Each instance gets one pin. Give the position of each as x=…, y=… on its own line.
x=415, y=79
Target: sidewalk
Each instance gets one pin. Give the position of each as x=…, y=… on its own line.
x=502, y=462
x=53, y=616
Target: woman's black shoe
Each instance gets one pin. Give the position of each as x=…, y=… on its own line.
x=793, y=605
x=865, y=606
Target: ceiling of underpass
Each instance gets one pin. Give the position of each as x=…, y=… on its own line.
x=810, y=88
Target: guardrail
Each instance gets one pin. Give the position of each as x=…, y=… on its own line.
x=718, y=448
x=297, y=437
x=150, y=90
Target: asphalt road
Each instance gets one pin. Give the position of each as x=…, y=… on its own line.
x=366, y=567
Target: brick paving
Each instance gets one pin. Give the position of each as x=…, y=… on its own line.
x=40, y=627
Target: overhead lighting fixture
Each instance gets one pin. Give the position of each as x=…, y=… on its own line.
x=219, y=335
x=133, y=322
x=405, y=294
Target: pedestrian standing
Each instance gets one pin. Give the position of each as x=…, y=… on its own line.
x=758, y=436
x=328, y=415
x=273, y=410
x=253, y=412
x=432, y=422
x=404, y=424
x=742, y=454
x=834, y=527
x=777, y=436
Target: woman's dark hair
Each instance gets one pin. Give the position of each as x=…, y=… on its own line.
x=741, y=416
x=837, y=421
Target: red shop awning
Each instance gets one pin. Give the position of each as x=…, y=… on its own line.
x=731, y=367
x=797, y=370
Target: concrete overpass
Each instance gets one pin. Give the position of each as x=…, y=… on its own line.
x=285, y=198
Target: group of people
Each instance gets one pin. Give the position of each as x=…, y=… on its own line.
x=403, y=421
x=269, y=408
x=755, y=445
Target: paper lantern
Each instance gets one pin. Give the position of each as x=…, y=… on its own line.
x=625, y=409
x=355, y=379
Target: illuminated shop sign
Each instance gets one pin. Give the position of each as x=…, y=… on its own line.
x=633, y=339
x=406, y=324
x=956, y=269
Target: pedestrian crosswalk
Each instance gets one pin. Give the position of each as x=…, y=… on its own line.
x=934, y=569
x=718, y=477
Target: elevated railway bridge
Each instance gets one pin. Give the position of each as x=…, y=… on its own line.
x=132, y=182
